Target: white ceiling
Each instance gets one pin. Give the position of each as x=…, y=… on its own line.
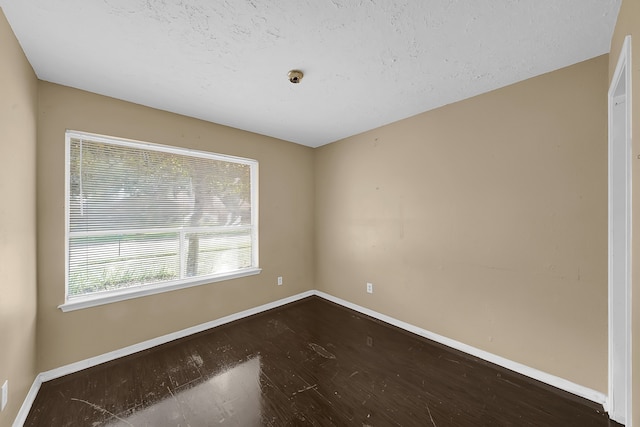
x=366, y=62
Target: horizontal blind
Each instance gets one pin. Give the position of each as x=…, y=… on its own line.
x=140, y=214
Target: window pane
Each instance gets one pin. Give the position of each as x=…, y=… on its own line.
x=109, y=262
x=212, y=253
x=115, y=187
x=140, y=214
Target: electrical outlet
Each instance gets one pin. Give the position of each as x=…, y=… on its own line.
x=5, y=394
x=279, y=280
x=369, y=288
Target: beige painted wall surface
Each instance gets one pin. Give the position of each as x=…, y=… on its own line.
x=629, y=23
x=286, y=227
x=18, y=110
x=484, y=221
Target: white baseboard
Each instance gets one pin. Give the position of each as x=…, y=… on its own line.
x=541, y=376
x=536, y=374
x=28, y=402
x=107, y=357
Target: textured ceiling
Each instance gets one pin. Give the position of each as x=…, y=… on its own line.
x=366, y=62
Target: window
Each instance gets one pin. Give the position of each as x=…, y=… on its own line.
x=145, y=218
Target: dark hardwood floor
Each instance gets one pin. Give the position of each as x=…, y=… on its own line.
x=310, y=363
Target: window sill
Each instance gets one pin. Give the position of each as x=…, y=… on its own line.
x=106, y=298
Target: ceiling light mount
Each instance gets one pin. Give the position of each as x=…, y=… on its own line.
x=295, y=76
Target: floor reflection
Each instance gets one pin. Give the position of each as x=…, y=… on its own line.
x=232, y=397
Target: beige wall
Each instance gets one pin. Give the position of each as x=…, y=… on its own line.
x=484, y=221
x=18, y=110
x=286, y=227
x=629, y=23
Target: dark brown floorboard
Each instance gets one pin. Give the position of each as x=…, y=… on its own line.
x=310, y=363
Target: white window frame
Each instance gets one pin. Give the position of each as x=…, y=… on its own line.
x=106, y=297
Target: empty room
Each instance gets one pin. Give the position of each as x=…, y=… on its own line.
x=322, y=213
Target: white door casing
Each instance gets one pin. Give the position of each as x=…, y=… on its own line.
x=620, y=154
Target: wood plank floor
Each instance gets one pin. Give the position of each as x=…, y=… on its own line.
x=310, y=363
